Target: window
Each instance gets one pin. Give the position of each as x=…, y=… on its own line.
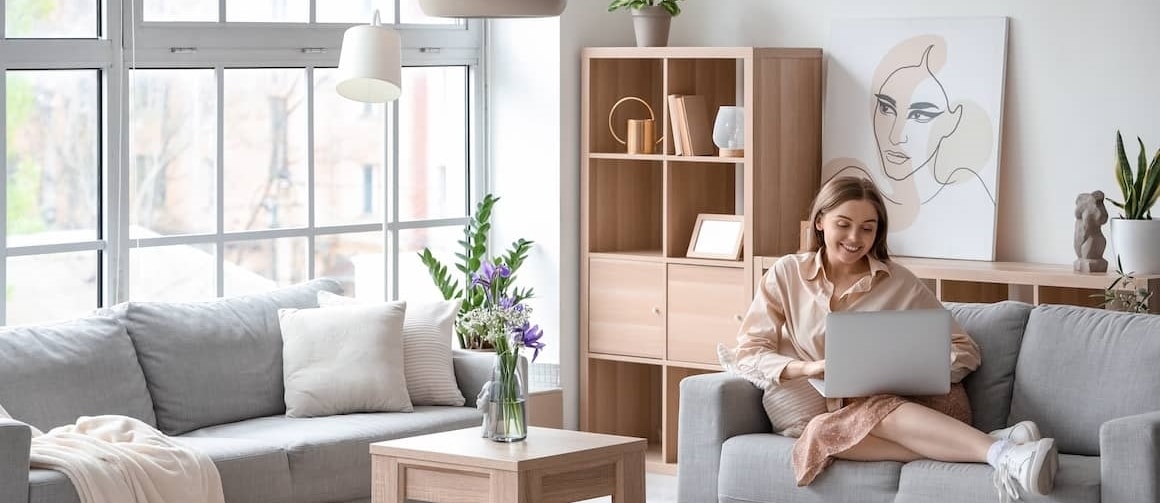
x=218, y=159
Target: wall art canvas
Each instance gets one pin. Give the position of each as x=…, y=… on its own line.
x=916, y=106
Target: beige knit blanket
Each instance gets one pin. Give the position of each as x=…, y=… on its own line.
x=118, y=459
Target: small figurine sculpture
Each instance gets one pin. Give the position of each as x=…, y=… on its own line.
x=1090, y=214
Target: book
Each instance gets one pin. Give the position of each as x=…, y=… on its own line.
x=698, y=131
x=675, y=120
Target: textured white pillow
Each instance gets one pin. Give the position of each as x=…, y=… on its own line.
x=789, y=405
x=344, y=359
x=427, y=359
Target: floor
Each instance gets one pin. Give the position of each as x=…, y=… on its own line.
x=658, y=489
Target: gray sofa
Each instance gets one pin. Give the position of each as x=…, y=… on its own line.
x=1090, y=378
x=209, y=373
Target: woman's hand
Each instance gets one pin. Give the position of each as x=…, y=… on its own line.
x=798, y=369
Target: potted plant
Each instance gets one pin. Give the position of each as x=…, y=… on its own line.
x=1136, y=235
x=650, y=19
x=472, y=260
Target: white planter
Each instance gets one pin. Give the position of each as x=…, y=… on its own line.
x=492, y=8
x=1137, y=243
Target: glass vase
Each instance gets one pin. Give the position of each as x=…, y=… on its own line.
x=505, y=416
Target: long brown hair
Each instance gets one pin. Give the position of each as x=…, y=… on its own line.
x=839, y=190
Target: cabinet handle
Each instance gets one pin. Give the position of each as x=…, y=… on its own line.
x=738, y=317
x=656, y=311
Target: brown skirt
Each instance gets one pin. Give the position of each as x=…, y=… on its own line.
x=830, y=433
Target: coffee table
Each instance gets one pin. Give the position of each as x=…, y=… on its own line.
x=549, y=466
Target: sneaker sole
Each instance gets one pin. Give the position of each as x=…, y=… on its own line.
x=1032, y=432
x=1045, y=454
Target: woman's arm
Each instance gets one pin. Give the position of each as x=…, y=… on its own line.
x=761, y=332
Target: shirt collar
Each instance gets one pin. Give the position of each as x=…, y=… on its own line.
x=816, y=266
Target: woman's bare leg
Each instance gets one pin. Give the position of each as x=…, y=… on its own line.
x=933, y=435
x=873, y=448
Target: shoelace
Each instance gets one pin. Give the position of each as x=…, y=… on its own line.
x=1005, y=483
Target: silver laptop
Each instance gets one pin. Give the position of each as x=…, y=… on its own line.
x=894, y=352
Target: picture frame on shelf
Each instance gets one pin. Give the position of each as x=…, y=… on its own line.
x=717, y=237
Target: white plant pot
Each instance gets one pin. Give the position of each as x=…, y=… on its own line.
x=1137, y=243
x=651, y=26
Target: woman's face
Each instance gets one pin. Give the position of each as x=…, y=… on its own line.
x=910, y=121
x=849, y=231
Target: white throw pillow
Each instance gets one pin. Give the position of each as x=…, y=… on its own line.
x=344, y=359
x=427, y=359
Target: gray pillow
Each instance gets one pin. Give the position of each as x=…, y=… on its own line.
x=998, y=330
x=51, y=374
x=215, y=362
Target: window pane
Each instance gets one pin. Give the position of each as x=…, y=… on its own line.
x=414, y=282
x=354, y=11
x=51, y=287
x=349, y=149
x=53, y=164
x=265, y=149
x=50, y=19
x=409, y=12
x=355, y=260
x=268, y=11
x=173, y=152
x=259, y=266
x=433, y=143
x=181, y=10
x=152, y=275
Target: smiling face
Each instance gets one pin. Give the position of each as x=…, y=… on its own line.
x=849, y=231
x=912, y=117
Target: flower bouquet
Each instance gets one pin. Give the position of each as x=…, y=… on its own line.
x=504, y=322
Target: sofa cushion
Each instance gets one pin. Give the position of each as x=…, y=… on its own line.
x=330, y=456
x=427, y=334
x=251, y=471
x=51, y=486
x=998, y=330
x=218, y=361
x=1080, y=367
x=1077, y=481
x=54, y=373
x=757, y=467
x=344, y=359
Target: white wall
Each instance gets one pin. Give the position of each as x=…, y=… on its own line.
x=1076, y=71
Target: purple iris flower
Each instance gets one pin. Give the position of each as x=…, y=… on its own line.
x=529, y=336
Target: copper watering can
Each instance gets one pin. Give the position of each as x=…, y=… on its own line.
x=641, y=133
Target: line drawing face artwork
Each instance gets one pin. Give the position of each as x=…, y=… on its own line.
x=931, y=141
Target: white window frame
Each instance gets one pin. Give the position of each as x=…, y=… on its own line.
x=125, y=44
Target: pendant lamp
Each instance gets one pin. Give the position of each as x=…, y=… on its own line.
x=492, y=8
x=370, y=63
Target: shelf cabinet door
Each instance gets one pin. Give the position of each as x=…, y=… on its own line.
x=626, y=308
x=706, y=305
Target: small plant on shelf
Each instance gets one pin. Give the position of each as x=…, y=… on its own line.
x=1123, y=294
x=669, y=5
x=1142, y=190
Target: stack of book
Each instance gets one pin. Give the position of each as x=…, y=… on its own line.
x=689, y=118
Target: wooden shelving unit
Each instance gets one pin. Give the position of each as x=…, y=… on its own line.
x=649, y=315
x=971, y=281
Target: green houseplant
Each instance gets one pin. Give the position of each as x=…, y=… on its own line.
x=650, y=19
x=1135, y=234
x=470, y=261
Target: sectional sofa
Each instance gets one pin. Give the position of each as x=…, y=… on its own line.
x=210, y=374
x=1090, y=378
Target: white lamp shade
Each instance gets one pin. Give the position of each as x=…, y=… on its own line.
x=370, y=64
x=492, y=8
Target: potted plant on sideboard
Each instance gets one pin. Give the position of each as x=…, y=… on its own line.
x=650, y=19
x=1136, y=235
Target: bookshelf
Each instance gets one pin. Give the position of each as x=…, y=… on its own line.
x=650, y=316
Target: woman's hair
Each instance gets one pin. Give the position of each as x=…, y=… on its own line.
x=839, y=190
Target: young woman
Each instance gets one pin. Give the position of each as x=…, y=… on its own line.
x=848, y=268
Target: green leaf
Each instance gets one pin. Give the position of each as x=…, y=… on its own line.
x=1151, y=189
x=1124, y=176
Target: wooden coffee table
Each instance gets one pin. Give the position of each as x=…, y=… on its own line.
x=549, y=466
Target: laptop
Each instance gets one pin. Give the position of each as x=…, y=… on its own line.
x=893, y=352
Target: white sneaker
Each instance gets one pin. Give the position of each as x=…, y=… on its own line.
x=1029, y=466
x=1020, y=433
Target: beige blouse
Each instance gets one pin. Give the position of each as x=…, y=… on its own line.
x=787, y=320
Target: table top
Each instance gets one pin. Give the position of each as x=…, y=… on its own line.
x=543, y=447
